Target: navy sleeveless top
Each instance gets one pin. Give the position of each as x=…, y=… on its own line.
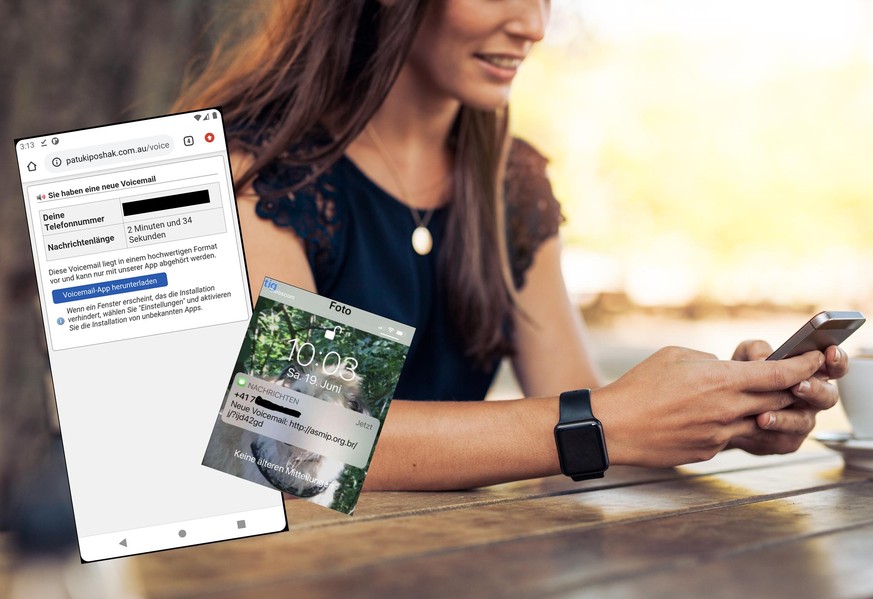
x=357, y=240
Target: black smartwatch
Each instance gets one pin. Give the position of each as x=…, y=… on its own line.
x=579, y=437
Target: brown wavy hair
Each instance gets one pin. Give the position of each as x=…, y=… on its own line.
x=308, y=65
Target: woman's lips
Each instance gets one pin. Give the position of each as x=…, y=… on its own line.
x=499, y=66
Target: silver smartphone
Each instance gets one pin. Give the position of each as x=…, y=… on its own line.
x=823, y=330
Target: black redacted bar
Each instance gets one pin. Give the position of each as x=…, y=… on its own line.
x=179, y=200
x=266, y=403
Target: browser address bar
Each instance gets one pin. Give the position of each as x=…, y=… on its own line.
x=123, y=151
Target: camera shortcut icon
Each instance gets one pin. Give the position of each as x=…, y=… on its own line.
x=188, y=140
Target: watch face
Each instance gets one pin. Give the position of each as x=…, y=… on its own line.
x=581, y=448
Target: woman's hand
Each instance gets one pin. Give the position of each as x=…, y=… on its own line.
x=680, y=405
x=782, y=431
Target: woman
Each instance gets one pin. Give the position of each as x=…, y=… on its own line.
x=374, y=167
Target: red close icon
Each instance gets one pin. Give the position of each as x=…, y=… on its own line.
x=209, y=138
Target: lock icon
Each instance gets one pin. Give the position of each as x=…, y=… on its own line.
x=329, y=335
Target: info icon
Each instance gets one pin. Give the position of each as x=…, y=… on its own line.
x=209, y=138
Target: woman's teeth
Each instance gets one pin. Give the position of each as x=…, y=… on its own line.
x=503, y=62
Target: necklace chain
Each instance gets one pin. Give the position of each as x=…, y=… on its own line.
x=394, y=171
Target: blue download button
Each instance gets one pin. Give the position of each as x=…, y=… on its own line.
x=83, y=292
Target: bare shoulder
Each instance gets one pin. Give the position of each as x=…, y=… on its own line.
x=271, y=251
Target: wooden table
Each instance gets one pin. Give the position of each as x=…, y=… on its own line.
x=738, y=526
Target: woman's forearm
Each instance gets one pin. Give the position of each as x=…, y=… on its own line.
x=675, y=407
x=460, y=445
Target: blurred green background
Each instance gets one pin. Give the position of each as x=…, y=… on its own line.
x=713, y=160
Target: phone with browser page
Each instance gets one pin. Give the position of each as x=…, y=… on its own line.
x=823, y=330
x=145, y=298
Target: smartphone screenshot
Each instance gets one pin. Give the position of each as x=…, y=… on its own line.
x=311, y=389
x=144, y=297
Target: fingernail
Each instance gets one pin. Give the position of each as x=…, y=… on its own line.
x=803, y=387
x=837, y=356
x=821, y=359
x=771, y=421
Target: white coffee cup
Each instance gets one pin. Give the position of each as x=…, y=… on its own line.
x=856, y=394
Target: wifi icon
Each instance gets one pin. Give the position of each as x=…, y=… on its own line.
x=196, y=117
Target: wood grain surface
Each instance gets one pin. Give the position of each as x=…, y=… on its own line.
x=798, y=526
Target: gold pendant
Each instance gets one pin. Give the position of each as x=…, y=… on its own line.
x=422, y=242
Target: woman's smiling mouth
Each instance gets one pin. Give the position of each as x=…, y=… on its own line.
x=501, y=66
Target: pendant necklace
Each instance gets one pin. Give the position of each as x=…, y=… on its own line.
x=422, y=241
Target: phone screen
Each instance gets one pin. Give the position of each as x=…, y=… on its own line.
x=144, y=297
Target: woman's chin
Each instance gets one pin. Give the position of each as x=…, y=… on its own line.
x=487, y=102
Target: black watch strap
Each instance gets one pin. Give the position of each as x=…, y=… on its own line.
x=579, y=437
x=575, y=405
